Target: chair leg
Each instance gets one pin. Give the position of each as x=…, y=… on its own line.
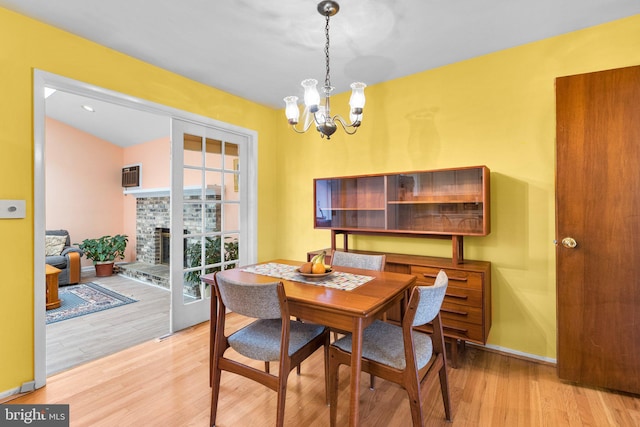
x=266, y=367
x=282, y=398
x=413, y=390
x=372, y=380
x=215, y=393
x=333, y=390
x=444, y=388
x=327, y=382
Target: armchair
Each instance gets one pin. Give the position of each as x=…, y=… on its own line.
x=60, y=254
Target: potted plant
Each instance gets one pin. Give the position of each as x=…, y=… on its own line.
x=104, y=251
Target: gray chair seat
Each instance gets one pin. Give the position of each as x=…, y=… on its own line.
x=261, y=339
x=383, y=343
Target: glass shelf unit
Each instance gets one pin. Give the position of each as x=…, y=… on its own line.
x=450, y=202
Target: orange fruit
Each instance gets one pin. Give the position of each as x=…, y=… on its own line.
x=318, y=268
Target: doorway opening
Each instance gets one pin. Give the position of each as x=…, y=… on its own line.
x=43, y=79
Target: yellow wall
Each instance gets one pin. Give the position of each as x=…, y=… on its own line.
x=496, y=110
x=26, y=44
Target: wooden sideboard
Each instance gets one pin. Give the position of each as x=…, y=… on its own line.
x=466, y=310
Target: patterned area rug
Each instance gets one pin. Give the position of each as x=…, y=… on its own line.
x=86, y=298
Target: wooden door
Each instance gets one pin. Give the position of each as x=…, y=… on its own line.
x=598, y=205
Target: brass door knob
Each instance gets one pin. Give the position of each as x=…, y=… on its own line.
x=569, y=242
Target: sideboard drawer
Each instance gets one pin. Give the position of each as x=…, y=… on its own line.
x=457, y=278
x=463, y=296
x=459, y=330
x=462, y=313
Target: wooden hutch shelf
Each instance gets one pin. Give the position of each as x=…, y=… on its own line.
x=443, y=204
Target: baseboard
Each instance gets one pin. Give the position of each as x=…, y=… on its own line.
x=515, y=353
x=7, y=395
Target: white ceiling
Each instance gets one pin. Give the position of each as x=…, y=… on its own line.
x=261, y=50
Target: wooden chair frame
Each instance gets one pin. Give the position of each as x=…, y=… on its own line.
x=409, y=378
x=278, y=383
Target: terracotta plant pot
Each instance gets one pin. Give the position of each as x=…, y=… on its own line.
x=104, y=269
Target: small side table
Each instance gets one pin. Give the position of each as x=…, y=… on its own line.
x=52, y=286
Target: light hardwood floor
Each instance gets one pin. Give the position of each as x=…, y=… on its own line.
x=75, y=341
x=165, y=383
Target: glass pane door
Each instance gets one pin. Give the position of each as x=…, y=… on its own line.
x=207, y=225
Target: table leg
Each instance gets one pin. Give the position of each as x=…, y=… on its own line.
x=356, y=365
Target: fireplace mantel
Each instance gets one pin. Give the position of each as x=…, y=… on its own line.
x=164, y=191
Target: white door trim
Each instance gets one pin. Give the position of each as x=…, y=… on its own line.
x=44, y=78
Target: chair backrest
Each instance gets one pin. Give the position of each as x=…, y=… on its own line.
x=260, y=301
x=431, y=298
x=366, y=262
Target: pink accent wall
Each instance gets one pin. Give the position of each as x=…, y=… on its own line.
x=83, y=183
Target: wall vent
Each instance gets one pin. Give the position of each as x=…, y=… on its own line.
x=131, y=176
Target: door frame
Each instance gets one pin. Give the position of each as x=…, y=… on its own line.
x=40, y=80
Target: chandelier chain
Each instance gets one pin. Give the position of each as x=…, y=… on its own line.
x=327, y=79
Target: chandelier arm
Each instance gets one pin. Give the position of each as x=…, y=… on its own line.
x=347, y=127
x=307, y=122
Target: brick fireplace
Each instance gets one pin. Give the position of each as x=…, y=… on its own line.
x=153, y=228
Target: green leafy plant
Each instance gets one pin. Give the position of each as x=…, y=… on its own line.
x=105, y=248
x=212, y=256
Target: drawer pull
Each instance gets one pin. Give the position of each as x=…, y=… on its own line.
x=433, y=276
x=460, y=330
x=460, y=313
x=457, y=296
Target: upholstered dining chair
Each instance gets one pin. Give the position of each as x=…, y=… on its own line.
x=401, y=354
x=273, y=336
x=364, y=261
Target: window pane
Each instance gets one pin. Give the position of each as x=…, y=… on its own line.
x=192, y=290
x=193, y=252
x=231, y=221
x=192, y=184
x=214, y=181
x=193, y=150
x=232, y=186
x=192, y=217
x=231, y=253
x=213, y=156
x=213, y=217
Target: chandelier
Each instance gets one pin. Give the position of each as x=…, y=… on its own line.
x=314, y=111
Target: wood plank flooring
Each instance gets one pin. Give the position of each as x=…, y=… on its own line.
x=165, y=383
x=75, y=341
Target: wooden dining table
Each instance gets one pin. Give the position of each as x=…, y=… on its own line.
x=345, y=310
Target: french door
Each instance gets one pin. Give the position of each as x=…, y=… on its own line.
x=210, y=213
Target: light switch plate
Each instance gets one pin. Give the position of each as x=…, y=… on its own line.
x=10, y=209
